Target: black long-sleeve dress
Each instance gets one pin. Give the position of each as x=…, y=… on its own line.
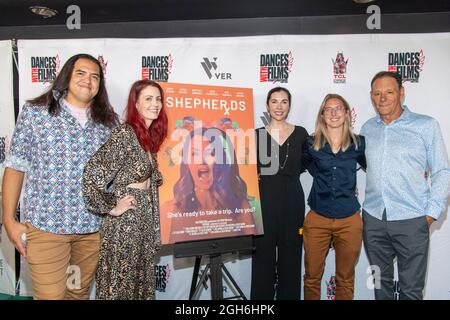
x=283, y=211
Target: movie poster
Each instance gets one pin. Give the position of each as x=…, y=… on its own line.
x=208, y=162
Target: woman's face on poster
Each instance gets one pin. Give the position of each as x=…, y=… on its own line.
x=201, y=160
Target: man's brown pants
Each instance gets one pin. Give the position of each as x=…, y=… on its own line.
x=61, y=266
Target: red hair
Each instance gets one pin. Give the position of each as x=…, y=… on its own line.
x=151, y=138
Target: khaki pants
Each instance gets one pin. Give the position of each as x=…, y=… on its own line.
x=346, y=234
x=61, y=266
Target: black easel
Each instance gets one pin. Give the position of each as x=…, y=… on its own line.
x=214, y=248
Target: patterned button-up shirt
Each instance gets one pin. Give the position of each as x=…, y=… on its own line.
x=52, y=151
x=398, y=156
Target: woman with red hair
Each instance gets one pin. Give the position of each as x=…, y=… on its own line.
x=121, y=182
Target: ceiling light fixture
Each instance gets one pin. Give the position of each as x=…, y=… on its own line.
x=363, y=1
x=44, y=12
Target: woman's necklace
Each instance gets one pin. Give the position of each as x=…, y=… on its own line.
x=282, y=166
x=287, y=155
x=287, y=152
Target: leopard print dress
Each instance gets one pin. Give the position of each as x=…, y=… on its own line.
x=129, y=242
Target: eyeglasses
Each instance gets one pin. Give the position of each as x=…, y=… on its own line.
x=337, y=109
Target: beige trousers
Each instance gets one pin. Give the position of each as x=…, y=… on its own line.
x=62, y=267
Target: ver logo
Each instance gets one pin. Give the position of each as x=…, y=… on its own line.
x=209, y=65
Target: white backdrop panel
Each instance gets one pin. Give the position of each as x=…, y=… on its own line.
x=310, y=78
x=7, y=259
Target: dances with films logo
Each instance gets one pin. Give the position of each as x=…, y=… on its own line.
x=339, y=68
x=1, y=265
x=275, y=67
x=2, y=149
x=162, y=275
x=408, y=64
x=103, y=62
x=157, y=68
x=45, y=68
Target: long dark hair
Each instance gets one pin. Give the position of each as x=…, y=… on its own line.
x=228, y=188
x=151, y=138
x=101, y=110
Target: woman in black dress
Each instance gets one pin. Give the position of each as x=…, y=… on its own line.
x=277, y=260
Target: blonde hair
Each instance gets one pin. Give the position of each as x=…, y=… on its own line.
x=321, y=136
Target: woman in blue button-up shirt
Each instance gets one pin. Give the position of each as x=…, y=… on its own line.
x=334, y=217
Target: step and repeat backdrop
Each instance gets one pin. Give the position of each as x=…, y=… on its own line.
x=7, y=263
x=309, y=66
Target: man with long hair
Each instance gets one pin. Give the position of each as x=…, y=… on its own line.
x=55, y=135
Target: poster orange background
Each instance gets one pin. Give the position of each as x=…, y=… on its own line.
x=179, y=103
